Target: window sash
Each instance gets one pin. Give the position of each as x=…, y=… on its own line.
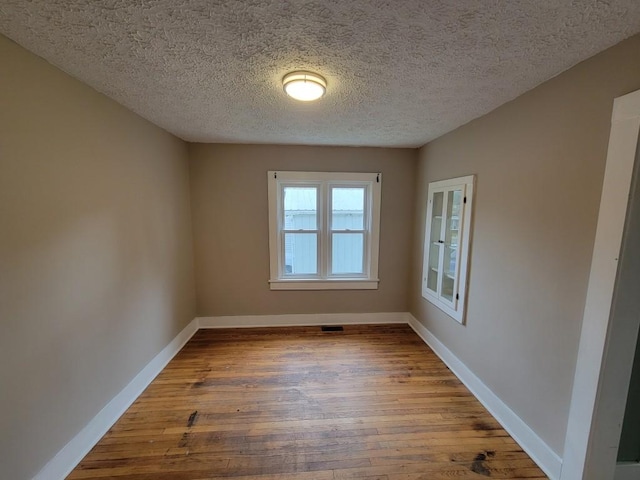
x=365, y=231
x=324, y=219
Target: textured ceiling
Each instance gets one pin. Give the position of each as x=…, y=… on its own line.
x=399, y=73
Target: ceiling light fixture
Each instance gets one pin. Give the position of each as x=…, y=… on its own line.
x=304, y=86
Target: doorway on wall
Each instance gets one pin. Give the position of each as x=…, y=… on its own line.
x=623, y=336
x=611, y=320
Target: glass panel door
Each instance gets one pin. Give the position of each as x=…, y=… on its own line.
x=436, y=244
x=446, y=244
x=453, y=205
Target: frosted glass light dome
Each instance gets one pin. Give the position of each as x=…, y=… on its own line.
x=304, y=86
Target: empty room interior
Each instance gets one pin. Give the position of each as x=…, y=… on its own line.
x=429, y=271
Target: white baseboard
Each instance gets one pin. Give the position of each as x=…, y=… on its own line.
x=71, y=454
x=67, y=458
x=627, y=471
x=530, y=442
x=301, y=320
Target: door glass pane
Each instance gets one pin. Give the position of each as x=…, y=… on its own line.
x=300, y=253
x=452, y=224
x=436, y=218
x=347, y=253
x=432, y=274
x=447, y=287
x=435, y=244
x=300, y=208
x=347, y=208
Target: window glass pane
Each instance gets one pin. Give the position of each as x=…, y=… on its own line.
x=452, y=223
x=300, y=253
x=347, y=208
x=300, y=208
x=347, y=253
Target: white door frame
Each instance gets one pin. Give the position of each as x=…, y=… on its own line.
x=606, y=351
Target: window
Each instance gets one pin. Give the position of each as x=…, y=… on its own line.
x=324, y=230
x=446, y=244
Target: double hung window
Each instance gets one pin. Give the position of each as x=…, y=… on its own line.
x=324, y=230
x=446, y=244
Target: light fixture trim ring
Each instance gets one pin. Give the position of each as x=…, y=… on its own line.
x=304, y=86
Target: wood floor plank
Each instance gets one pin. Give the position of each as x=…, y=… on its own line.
x=371, y=402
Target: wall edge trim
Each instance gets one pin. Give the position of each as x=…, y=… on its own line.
x=549, y=461
x=73, y=452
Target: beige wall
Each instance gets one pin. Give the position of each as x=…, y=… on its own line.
x=539, y=162
x=96, y=266
x=96, y=250
x=230, y=217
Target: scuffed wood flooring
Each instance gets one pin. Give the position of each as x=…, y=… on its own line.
x=372, y=402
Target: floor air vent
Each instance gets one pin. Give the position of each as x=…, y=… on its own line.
x=332, y=328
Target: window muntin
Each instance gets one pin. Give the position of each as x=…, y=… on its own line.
x=446, y=247
x=324, y=229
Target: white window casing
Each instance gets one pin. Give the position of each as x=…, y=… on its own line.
x=446, y=245
x=324, y=230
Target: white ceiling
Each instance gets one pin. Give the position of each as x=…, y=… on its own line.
x=399, y=73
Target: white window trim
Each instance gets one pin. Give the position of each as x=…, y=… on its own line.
x=367, y=281
x=456, y=309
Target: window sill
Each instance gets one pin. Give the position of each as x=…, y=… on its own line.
x=340, y=284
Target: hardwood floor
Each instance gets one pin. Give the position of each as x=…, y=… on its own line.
x=372, y=402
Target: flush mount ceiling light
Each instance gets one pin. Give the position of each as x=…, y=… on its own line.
x=304, y=86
